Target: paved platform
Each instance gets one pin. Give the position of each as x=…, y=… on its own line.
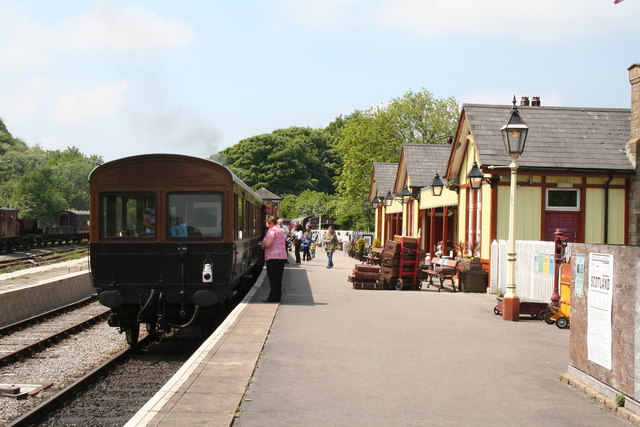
x=32, y=291
x=329, y=355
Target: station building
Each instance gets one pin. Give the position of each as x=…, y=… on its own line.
x=577, y=173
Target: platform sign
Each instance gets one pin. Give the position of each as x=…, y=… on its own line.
x=600, y=301
x=579, y=275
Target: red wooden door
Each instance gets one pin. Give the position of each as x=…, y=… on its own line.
x=565, y=221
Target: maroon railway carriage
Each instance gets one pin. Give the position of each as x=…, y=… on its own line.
x=171, y=239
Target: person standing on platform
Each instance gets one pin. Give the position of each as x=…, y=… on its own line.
x=281, y=225
x=297, y=241
x=306, y=246
x=275, y=256
x=330, y=245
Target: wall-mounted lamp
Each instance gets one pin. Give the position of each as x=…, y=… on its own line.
x=376, y=202
x=436, y=186
x=406, y=195
x=388, y=199
x=476, y=177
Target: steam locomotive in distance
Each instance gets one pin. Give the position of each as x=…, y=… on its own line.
x=172, y=239
x=69, y=226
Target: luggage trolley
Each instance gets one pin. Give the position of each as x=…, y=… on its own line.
x=409, y=261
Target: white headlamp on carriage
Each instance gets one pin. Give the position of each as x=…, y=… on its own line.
x=207, y=271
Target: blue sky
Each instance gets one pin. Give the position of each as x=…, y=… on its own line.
x=118, y=78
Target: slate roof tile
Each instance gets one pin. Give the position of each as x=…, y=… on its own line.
x=558, y=138
x=384, y=175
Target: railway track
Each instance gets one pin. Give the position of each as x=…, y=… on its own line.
x=112, y=393
x=22, y=260
x=94, y=377
x=47, y=409
x=31, y=335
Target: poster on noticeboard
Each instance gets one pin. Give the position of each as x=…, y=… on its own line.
x=600, y=302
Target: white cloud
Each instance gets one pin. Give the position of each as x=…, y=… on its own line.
x=90, y=106
x=523, y=20
x=324, y=13
x=19, y=103
x=51, y=142
x=26, y=44
x=106, y=26
x=540, y=20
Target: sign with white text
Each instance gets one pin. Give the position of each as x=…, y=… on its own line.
x=600, y=302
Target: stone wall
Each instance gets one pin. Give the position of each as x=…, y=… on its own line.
x=624, y=375
x=632, y=148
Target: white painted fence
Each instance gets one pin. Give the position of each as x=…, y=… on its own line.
x=534, y=269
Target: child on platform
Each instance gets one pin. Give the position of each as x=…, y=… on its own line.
x=306, y=247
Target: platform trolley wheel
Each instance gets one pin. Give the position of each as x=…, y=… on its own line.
x=418, y=285
x=541, y=315
x=496, y=311
x=562, y=322
x=548, y=318
x=132, y=333
x=399, y=284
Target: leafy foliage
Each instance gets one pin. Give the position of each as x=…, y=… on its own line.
x=286, y=161
x=307, y=203
x=38, y=183
x=377, y=135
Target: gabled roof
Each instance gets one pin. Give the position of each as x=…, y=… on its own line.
x=267, y=195
x=559, y=138
x=384, y=175
x=423, y=161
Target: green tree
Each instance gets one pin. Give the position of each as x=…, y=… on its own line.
x=307, y=203
x=70, y=178
x=38, y=182
x=35, y=195
x=286, y=161
x=8, y=142
x=377, y=135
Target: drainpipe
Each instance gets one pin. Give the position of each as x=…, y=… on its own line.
x=606, y=208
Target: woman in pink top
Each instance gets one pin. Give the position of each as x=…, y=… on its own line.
x=275, y=256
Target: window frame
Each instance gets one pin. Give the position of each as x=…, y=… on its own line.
x=555, y=208
x=101, y=216
x=167, y=226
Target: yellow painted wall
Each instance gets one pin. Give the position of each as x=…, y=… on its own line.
x=528, y=217
x=564, y=179
x=462, y=212
x=594, y=216
x=485, y=245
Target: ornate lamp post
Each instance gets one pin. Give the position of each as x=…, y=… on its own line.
x=514, y=136
x=388, y=199
x=476, y=178
x=436, y=186
x=319, y=209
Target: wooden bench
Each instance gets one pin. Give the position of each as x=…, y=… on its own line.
x=373, y=257
x=443, y=269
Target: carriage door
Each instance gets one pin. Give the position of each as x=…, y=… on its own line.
x=562, y=212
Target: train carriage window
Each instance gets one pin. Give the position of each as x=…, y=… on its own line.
x=195, y=215
x=128, y=215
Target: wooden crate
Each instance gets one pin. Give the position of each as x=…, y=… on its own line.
x=386, y=271
x=389, y=259
x=391, y=246
x=367, y=268
x=368, y=285
x=365, y=275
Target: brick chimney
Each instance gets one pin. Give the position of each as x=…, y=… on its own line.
x=524, y=101
x=535, y=101
x=633, y=150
